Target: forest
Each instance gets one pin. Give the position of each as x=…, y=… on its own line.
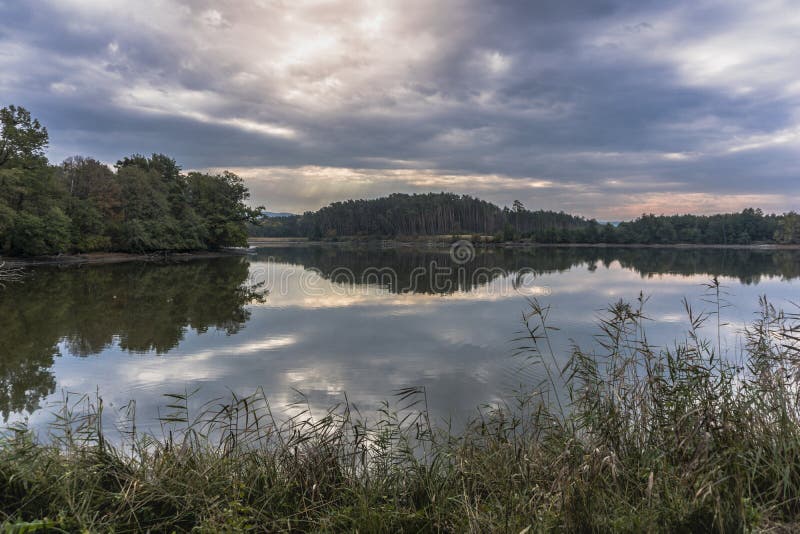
x=146, y=204
x=420, y=214
x=447, y=213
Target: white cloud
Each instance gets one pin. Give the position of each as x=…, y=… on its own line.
x=212, y=18
x=202, y=106
x=63, y=88
x=788, y=136
x=739, y=47
x=503, y=102
x=497, y=63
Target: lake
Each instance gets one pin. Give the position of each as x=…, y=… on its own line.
x=365, y=321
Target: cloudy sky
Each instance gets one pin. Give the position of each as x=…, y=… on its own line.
x=608, y=108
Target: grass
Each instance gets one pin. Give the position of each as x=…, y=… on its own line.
x=627, y=438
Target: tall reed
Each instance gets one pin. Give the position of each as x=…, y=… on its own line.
x=624, y=437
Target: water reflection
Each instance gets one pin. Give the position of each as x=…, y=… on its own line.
x=141, y=308
x=430, y=270
x=153, y=329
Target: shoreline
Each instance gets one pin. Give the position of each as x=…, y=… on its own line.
x=100, y=258
x=267, y=242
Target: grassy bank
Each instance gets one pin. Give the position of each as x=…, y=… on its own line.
x=640, y=439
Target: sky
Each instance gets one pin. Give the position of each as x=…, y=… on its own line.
x=606, y=108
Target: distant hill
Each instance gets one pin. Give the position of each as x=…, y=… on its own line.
x=450, y=214
x=419, y=214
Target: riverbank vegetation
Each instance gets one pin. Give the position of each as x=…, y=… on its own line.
x=625, y=437
x=448, y=214
x=145, y=204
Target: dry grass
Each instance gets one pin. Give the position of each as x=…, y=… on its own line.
x=639, y=439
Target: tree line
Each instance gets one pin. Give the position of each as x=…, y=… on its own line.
x=447, y=213
x=748, y=226
x=418, y=214
x=145, y=204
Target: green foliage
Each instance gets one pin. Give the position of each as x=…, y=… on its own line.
x=38, y=235
x=788, y=231
x=148, y=205
x=751, y=225
x=419, y=214
x=220, y=202
x=22, y=139
x=32, y=218
x=508, y=233
x=627, y=437
x=449, y=214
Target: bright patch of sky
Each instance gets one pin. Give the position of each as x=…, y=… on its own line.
x=608, y=109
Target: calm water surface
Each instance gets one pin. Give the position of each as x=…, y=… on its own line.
x=330, y=320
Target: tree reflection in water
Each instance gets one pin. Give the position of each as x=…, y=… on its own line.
x=409, y=269
x=150, y=307
x=141, y=307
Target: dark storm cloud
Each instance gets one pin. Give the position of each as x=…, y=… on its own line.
x=606, y=107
